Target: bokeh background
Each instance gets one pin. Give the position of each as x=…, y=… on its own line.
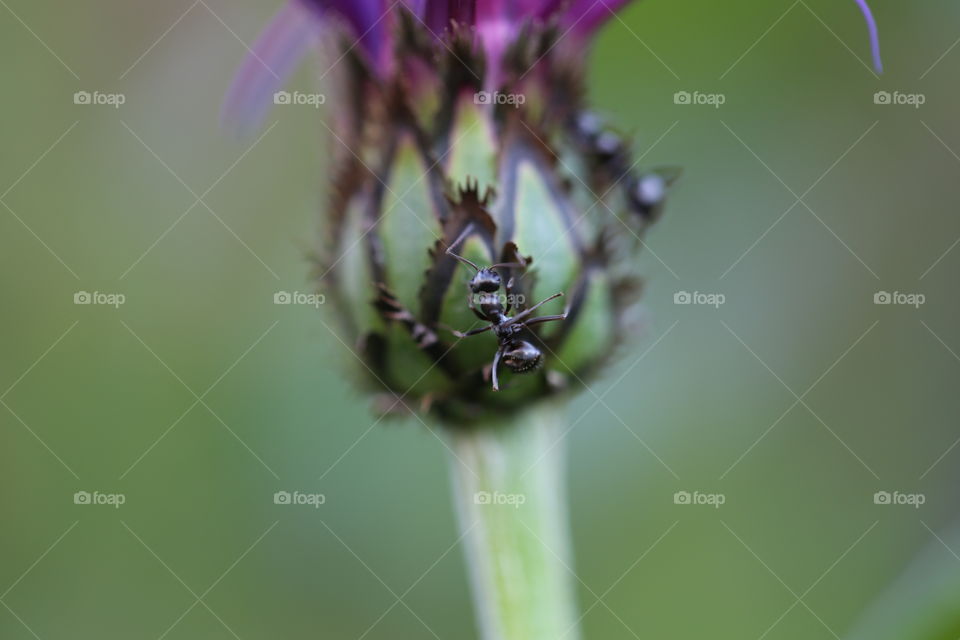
x=199, y=398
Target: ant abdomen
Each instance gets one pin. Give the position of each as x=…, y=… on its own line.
x=521, y=356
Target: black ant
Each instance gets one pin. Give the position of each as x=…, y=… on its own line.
x=607, y=150
x=517, y=354
x=645, y=193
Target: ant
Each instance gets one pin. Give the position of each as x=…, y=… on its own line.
x=517, y=354
x=645, y=193
x=607, y=150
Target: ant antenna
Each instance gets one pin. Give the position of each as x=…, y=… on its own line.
x=466, y=231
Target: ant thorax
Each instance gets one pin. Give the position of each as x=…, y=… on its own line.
x=491, y=306
x=505, y=331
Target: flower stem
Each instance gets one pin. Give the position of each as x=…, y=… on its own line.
x=510, y=496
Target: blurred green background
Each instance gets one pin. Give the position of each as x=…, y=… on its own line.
x=199, y=398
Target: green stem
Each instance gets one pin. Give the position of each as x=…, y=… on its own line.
x=510, y=496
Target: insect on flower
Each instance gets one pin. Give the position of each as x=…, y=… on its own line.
x=517, y=354
x=645, y=193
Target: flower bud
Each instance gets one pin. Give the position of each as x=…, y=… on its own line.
x=483, y=225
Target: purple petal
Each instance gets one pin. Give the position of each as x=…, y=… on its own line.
x=545, y=8
x=416, y=7
x=492, y=10
x=366, y=17
x=437, y=16
x=274, y=56
x=463, y=11
x=874, y=36
x=497, y=26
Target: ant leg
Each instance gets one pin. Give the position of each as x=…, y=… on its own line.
x=493, y=371
x=526, y=312
x=472, y=332
x=477, y=313
x=562, y=316
x=472, y=306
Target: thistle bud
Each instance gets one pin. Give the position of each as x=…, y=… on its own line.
x=471, y=184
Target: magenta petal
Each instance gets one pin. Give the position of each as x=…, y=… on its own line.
x=543, y=9
x=436, y=16
x=494, y=10
x=463, y=11
x=273, y=58
x=498, y=22
x=874, y=36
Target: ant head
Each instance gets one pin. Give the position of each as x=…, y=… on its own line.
x=521, y=356
x=486, y=281
x=646, y=193
x=608, y=145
